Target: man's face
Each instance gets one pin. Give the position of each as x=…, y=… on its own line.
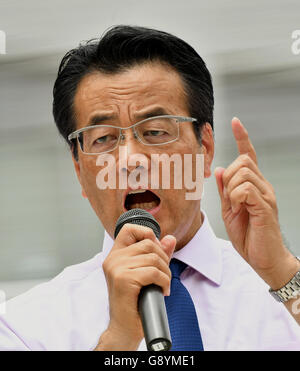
x=143, y=90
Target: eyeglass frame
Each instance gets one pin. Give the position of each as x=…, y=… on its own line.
x=74, y=134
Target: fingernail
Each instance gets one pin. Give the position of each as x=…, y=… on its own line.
x=217, y=169
x=169, y=237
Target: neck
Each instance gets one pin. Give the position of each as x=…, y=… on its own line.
x=190, y=230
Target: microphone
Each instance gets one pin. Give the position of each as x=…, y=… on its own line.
x=151, y=302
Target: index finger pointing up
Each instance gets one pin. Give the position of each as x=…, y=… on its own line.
x=242, y=139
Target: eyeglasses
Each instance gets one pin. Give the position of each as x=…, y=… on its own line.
x=153, y=131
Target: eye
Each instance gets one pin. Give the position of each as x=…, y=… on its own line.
x=105, y=139
x=154, y=133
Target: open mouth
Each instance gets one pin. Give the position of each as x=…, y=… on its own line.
x=142, y=199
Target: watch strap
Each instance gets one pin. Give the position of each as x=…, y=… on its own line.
x=289, y=291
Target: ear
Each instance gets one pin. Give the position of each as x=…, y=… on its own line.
x=207, y=148
x=77, y=169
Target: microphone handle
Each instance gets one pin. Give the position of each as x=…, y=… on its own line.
x=154, y=318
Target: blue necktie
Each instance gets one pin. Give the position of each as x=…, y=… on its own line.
x=183, y=322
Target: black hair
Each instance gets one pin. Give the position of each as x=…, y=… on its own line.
x=120, y=48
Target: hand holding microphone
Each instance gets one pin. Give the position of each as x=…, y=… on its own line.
x=137, y=259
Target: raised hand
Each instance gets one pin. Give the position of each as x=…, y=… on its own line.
x=250, y=214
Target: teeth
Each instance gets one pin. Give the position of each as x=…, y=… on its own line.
x=144, y=205
x=137, y=191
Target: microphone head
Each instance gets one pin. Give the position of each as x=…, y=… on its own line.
x=140, y=217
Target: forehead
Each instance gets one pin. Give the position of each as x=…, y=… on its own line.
x=130, y=92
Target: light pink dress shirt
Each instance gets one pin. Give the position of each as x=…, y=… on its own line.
x=234, y=309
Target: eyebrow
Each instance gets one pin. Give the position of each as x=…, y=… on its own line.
x=99, y=119
x=156, y=111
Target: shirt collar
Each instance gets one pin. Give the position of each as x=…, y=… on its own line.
x=202, y=252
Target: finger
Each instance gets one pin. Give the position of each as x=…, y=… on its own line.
x=247, y=194
x=145, y=276
x=225, y=202
x=168, y=244
x=242, y=139
x=132, y=233
x=218, y=174
x=244, y=174
x=149, y=260
x=145, y=247
x=242, y=161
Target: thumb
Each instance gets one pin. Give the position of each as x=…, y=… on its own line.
x=218, y=174
x=219, y=171
x=168, y=244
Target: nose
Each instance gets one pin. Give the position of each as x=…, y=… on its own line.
x=131, y=153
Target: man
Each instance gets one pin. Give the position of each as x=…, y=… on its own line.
x=150, y=93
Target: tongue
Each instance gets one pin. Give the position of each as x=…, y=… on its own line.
x=144, y=205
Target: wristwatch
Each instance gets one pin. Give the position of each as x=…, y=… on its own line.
x=290, y=291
